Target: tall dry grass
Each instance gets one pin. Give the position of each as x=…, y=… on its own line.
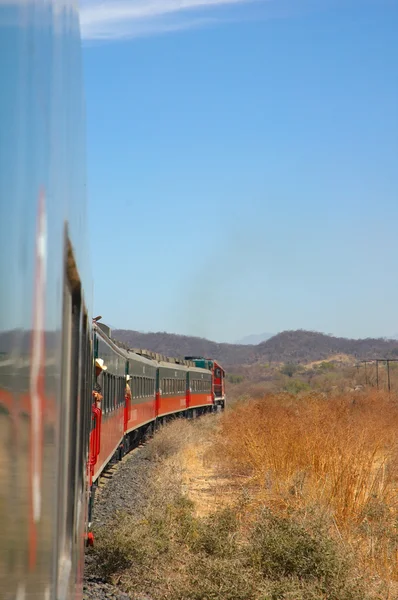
x=339, y=454
x=165, y=550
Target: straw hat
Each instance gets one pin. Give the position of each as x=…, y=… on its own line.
x=100, y=364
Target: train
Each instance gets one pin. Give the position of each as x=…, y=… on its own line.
x=60, y=424
x=136, y=391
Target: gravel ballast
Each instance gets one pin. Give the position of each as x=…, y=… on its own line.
x=124, y=488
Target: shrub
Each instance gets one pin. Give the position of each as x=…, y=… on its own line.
x=289, y=369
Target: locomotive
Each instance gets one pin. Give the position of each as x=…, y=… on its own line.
x=54, y=440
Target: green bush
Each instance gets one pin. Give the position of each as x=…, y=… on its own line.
x=295, y=386
x=221, y=557
x=301, y=563
x=289, y=369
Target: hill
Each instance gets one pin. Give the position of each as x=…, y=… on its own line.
x=289, y=346
x=181, y=345
x=306, y=346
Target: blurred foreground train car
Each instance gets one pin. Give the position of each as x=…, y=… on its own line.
x=45, y=303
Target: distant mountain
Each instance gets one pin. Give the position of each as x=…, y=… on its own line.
x=254, y=339
x=307, y=346
x=289, y=346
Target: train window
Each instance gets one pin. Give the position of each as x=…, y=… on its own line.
x=105, y=392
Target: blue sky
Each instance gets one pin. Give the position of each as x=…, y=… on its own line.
x=242, y=165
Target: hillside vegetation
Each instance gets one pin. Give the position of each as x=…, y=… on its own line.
x=284, y=498
x=339, y=374
x=289, y=346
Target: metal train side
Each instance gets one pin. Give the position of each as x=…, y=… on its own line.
x=45, y=338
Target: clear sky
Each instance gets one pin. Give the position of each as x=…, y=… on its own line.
x=243, y=165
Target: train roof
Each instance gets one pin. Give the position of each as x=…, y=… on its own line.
x=140, y=354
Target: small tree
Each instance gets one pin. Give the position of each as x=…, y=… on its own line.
x=289, y=369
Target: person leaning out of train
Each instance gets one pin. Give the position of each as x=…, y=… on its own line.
x=128, y=389
x=100, y=368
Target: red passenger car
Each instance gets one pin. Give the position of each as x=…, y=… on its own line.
x=112, y=387
x=171, y=394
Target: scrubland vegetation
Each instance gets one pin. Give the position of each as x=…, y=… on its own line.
x=338, y=375
x=301, y=504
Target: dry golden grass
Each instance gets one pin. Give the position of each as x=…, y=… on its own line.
x=338, y=454
x=178, y=547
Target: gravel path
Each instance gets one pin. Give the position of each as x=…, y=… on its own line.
x=123, y=490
